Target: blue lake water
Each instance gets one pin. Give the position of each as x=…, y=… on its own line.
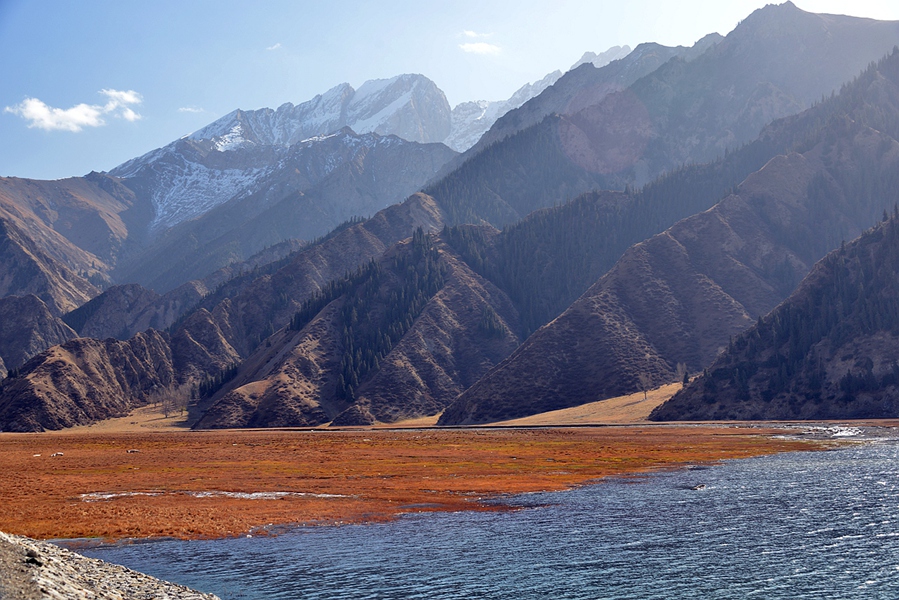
x=799, y=525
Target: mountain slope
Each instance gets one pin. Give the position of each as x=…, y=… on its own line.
x=27, y=327
x=224, y=329
x=828, y=352
x=82, y=222
x=679, y=296
x=85, y=380
x=122, y=311
x=312, y=188
x=26, y=269
x=470, y=120
x=399, y=339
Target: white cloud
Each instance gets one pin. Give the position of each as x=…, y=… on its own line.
x=40, y=115
x=480, y=48
x=191, y=109
x=45, y=117
x=275, y=47
x=474, y=34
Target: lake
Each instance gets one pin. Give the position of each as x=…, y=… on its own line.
x=797, y=525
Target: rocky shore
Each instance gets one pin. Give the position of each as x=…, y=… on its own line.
x=34, y=570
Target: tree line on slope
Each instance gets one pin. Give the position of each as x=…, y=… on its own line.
x=854, y=295
x=545, y=261
x=381, y=301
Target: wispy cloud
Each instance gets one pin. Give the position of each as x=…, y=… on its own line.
x=474, y=34
x=275, y=47
x=480, y=48
x=191, y=109
x=40, y=115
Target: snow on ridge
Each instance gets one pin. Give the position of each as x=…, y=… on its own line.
x=318, y=138
x=371, y=123
x=186, y=189
x=232, y=140
x=372, y=87
x=471, y=120
x=194, y=189
x=365, y=109
x=603, y=58
x=189, y=177
x=219, y=127
x=132, y=167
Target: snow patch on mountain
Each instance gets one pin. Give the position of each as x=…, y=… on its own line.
x=194, y=189
x=382, y=117
x=231, y=140
x=188, y=178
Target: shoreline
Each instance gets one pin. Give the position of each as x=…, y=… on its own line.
x=136, y=487
x=32, y=569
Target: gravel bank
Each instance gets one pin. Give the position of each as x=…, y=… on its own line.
x=33, y=570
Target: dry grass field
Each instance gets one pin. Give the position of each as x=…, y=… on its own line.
x=629, y=409
x=155, y=481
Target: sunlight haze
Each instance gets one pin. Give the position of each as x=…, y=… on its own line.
x=183, y=65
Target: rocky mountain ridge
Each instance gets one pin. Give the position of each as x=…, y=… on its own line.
x=225, y=328
x=404, y=338
x=409, y=106
x=311, y=190
x=470, y=120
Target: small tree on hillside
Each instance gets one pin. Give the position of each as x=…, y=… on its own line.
x=645, y=380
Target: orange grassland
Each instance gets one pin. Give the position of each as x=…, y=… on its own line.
x=336, y=476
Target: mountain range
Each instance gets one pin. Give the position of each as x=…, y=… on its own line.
x=645, y=223
x=679, y=296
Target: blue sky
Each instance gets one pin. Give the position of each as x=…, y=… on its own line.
x=88, y=85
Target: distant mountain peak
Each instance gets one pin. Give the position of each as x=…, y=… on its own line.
x=603, y=58
x=472, y=119
x=408, y=105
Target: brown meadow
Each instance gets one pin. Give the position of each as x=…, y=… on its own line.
x=229, y=483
